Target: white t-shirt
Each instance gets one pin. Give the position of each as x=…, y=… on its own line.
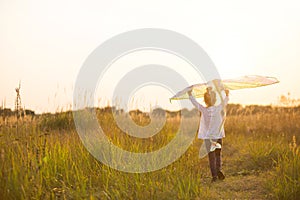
x=211, y=123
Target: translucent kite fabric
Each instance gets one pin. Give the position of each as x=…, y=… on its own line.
x=243, y=82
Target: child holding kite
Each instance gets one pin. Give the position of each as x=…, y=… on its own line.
x=213, y=117
x=211, y=129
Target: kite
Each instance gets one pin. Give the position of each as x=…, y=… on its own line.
x=243, y=82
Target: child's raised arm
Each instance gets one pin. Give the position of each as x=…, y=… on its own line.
x=195, y=102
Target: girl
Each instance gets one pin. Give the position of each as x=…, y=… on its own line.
x=211, y=129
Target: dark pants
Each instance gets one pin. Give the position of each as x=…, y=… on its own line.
x=215, y=162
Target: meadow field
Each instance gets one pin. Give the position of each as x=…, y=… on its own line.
x=44, y=158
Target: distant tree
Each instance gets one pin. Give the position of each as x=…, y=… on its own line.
x=159, y=112
x=29, y=113
x=288, y=101
x=5, y=113
x=234, y=109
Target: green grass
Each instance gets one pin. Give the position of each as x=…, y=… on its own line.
x=286, y=182
x=45, y=159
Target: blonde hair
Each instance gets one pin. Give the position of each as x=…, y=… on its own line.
x=210, y=97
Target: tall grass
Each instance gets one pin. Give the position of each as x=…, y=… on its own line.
x=45, y=159
x=286, y=182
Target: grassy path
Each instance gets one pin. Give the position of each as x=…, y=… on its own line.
x=238, y=187
x=243, y=179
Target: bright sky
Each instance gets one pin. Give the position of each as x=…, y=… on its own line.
x=44, y=43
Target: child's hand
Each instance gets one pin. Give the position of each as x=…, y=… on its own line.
x=227, y=92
